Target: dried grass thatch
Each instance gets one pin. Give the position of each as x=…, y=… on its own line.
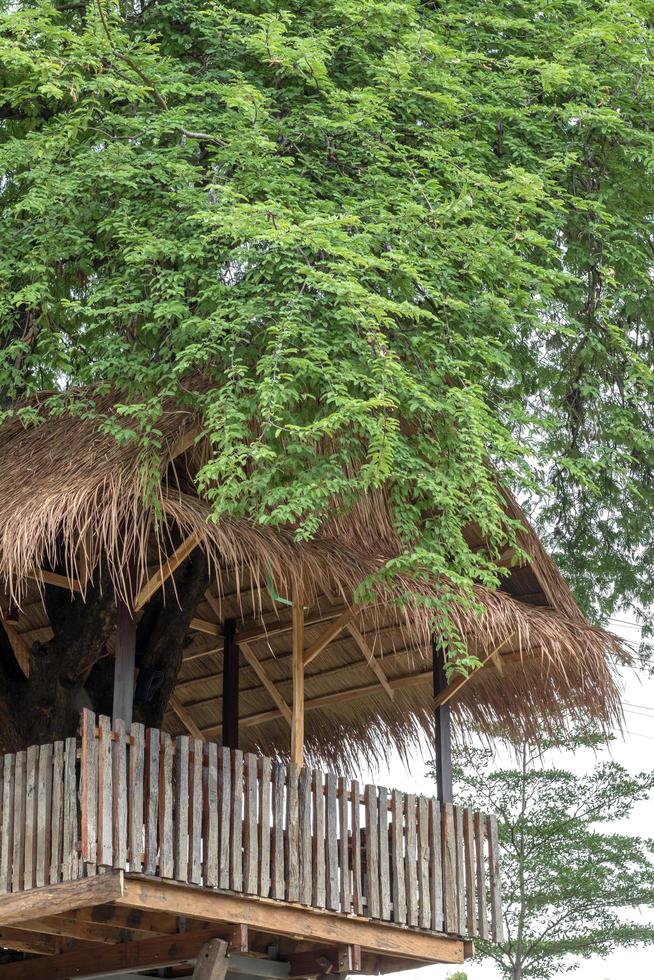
x=74, y=498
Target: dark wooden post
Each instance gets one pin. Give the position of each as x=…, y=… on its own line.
x=124, y=664
x=443, y=737
x=230, y=686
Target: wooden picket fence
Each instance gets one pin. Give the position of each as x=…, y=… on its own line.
x=197, y=813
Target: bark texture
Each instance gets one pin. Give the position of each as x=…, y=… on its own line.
x=75, y=668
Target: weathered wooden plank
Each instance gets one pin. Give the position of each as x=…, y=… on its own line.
x=278, y=870
x=318, y=843
x=297, y=922
x=344, y=845
x=236, y=864
x=305, y=826
x=105, y=794
x=56, y=838
x=397, y=857
x=44, y=815
x=450, y=909
x=31, y=796
x=71, y=861
x=292, y=835
x=357, y=884
x=372, y=852
x=151, y=802
x=460, y=871
x=436, y=865
x=136, y=796
x=411, y=861
x=331, y=843
x=210, y=822
x=264, y=827
x=89, y=801
x=7, y=824
x=424, y=899
x=470, y=872
x=225, y=773
x=166, y=859
x=119, y=795
x=195, y=796
x=18, y=856
x=480, y=866
x=251, y=841
x=497, y=930
x=181, y=807
x=384, y=860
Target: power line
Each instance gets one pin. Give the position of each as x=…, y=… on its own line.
x=640, y=735
x=643, y=707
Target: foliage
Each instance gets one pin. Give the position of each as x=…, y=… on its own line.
x=572, y=885
x=397, y=239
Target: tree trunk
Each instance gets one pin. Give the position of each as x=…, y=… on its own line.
x=75, y=669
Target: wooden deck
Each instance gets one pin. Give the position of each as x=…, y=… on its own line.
x=112, y=843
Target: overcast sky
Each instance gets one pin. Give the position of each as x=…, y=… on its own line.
x=635, y=751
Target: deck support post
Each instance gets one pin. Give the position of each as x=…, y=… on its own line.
x=124, y=663
x=212, y=961
x=297, y=719
x=230, y=686
x=442, y=729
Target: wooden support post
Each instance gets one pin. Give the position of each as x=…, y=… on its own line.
x=443, y=736
x=230, y=686
x=124, y=665
x=297, y=721
x=212, y=961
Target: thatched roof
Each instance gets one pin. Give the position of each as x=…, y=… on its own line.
x=72, y=497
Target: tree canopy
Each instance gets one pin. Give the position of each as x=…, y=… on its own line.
x=397, y=240
x=573, y=885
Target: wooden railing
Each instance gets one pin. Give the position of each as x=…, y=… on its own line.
x=205, y=815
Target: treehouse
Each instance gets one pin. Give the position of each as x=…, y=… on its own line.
x=186, y=705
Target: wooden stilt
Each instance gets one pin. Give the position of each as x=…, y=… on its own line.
x=230, y=686
x=297, y=721
x=212, y=961
x=443, y=737
x=124, y=665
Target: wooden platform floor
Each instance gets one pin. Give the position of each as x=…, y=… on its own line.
x=118, y=921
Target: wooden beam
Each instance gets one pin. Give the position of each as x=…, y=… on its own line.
x=184, y=442
x=328, y=635
x=230, y=687
x=122, y=917
x=185, y=717
x=452, y=688
x=205, y=626
x=53, y=578
x=373, y=661
x=93, y=932
x=297, y=721
x=212, y=961
x=124, y=665
x=216, y=607
x=324, y=960
x=146, y=954
x=396, y=683
x=265, y=679
x=24, y=941
x=169, y=566
x=21, y=649
x=279, y=918
x=56, y=899
x=268, y=625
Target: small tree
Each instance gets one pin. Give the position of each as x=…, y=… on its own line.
x=570, y=883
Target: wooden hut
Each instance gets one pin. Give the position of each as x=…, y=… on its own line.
x=237, y=817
